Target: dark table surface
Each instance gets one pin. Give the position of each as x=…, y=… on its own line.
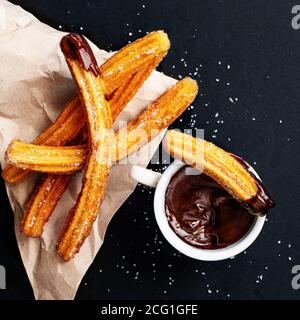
x=245, y=56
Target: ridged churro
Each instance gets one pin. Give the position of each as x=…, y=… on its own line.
x=46, y=158
x=142, y=55
x=42, y=202
x=134, y=56
x=229, y=171
x=88, y=78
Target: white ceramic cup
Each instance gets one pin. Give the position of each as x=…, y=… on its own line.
x=161, y=182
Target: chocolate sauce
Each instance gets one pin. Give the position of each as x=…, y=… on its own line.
x=76, y=47
x=202, y=213
x=262, y=201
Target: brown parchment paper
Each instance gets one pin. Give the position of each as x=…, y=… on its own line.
x=34, y=85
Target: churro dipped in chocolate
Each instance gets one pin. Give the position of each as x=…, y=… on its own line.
x=89, y=80
x=228, y=170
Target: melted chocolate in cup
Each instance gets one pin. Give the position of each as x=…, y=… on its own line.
x=203, y=214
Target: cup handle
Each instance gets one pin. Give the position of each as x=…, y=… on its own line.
x=145, y=176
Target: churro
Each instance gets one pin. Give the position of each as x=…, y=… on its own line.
x=42, y=202
x=88, y=78
x=229, y=171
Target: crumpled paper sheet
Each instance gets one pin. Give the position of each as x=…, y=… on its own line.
x=34, y=85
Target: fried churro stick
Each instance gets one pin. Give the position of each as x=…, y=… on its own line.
x=88, y=78
x=157, y=116
x=38, y=158
x=134, y=56
x=35, y=216
x=42, y=203
x=147, y=51
x=230, y=171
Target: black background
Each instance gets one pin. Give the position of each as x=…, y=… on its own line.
x=256, y=39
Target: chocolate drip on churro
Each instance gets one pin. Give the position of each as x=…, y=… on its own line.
x=77, y=48
x=262, y=201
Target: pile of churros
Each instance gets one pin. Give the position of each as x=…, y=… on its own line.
x=82, y=137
